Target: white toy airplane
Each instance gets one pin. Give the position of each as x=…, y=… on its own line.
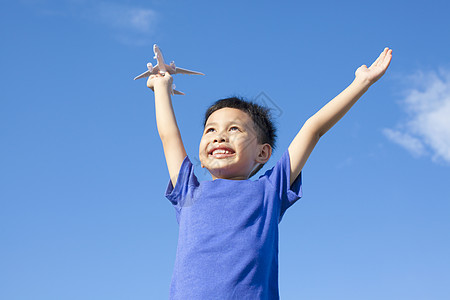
x=162, y=68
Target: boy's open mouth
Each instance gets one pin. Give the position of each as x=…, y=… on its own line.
x=221, y=152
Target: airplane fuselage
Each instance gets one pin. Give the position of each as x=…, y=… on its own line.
x=163, y=68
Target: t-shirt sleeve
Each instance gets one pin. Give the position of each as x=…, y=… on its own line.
x=184, y=188
x=280, y=177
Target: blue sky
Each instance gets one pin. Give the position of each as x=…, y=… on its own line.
x=82, y=172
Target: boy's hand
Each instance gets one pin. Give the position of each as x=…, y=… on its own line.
x=377, y=69
x=167, y=124
x=317, y=125
x=160, y=81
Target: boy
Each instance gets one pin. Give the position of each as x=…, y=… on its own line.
x=228, y=227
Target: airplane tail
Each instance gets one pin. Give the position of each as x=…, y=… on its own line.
x=175, y=92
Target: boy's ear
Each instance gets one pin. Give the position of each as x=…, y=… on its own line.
x=265, y=152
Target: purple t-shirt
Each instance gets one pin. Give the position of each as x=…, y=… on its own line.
x=228, y=233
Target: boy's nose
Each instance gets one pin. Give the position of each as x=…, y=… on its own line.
x=220, y=138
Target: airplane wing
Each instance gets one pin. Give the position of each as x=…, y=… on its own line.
x=145, y=74
x=186, y=71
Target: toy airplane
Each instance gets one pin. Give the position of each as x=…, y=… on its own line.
x=162, y=68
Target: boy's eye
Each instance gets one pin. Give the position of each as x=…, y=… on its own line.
x=209, y=130
x=234, y=128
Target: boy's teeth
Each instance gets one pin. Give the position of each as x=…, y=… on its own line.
x=220, y=151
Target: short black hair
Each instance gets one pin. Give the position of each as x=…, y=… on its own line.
x=260, y=115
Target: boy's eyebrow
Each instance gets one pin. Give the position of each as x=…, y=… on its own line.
x=209, y=124
x=237, y=121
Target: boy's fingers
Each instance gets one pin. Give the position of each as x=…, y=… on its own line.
x=155, y=75
x=386, y=52
x=380, y=57
x=387, y=59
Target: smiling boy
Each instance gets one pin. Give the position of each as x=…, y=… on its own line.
x=233, y=145
x=228, y=227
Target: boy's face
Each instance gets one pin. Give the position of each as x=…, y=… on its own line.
x=229, y=146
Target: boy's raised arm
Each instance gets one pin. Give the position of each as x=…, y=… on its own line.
x=167, y=124
x=316, y=126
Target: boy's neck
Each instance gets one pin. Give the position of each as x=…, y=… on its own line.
x=230, y=178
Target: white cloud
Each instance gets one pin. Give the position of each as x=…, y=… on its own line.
x=410, y=143
x=427, y=129
x=127, y=23
x=126, y=17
